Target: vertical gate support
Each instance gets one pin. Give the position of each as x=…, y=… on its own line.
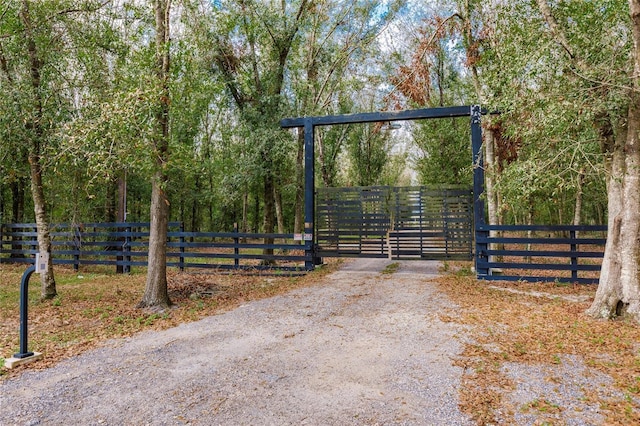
x=309, y=195
x=24, y=356
x=478, y=190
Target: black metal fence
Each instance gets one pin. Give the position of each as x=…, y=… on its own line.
x=563, y=253
x=126, y=244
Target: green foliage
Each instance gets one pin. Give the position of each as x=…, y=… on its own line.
x=237, y=70
x=444, y=152
x=368, y=148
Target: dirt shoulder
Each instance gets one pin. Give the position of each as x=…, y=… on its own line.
x=362, y=347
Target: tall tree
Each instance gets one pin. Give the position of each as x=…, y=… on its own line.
x=156, y=295
x=619, y=287
x=253, y=46
x=565, y=76
x=31, y=59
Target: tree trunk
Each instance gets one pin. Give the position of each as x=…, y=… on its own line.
x=17, y=200
x=110, y=209
x=17, y=208
x=156, y=295
x=609, y=291
x=277, y=198
x=245, y=212
x=121, y=214
x=269, y=214
x=195, y=216
x=47, y=280
x=529, y=221
x=577, y=213
x=322, y=160
x=619, y=290
x=256, y=213
x=245, y=215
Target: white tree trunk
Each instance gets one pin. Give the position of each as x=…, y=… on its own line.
x=35, y=125
x=47, y=280
x=618, y=290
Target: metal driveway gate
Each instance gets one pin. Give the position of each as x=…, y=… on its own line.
x=307, y=127
x=394, y=222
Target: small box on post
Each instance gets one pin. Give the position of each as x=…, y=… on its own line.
x=42, y=263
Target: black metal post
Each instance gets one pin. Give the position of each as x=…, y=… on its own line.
x=76, y=247
x=309, y=195
x=24, y=303
x=182, y=241
x=574, y=249
x=236, y=247
x=126, y=248
x=478, y=189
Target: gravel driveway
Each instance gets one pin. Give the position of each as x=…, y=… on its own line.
x=361, y=347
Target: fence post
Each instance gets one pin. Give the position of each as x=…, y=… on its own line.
x=181, y=246
x=236, y=248
x=574, y=249
x=76, y=247
x=445, y=220
x=126, y=248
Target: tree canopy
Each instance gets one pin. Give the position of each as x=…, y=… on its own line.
x=93, y=99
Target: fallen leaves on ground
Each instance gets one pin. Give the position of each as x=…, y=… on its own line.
x=96, y=305
x=538, y=326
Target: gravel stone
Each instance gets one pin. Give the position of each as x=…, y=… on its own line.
x=360, y=348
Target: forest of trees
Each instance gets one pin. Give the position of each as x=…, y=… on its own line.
x=157, y=110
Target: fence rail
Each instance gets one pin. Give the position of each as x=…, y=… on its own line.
x=521, y=252
x=126, y=244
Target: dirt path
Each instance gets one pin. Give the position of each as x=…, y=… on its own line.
x=362, y=347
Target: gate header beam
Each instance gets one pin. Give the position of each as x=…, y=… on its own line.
x=372, y=117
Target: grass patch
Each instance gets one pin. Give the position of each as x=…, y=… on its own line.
x=95, y=305
x=391, y=268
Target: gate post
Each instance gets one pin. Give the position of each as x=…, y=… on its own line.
x=309, y=195
x=481, y=257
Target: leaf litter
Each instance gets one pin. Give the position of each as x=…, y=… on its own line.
x=536, y=358
x=531, y=360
